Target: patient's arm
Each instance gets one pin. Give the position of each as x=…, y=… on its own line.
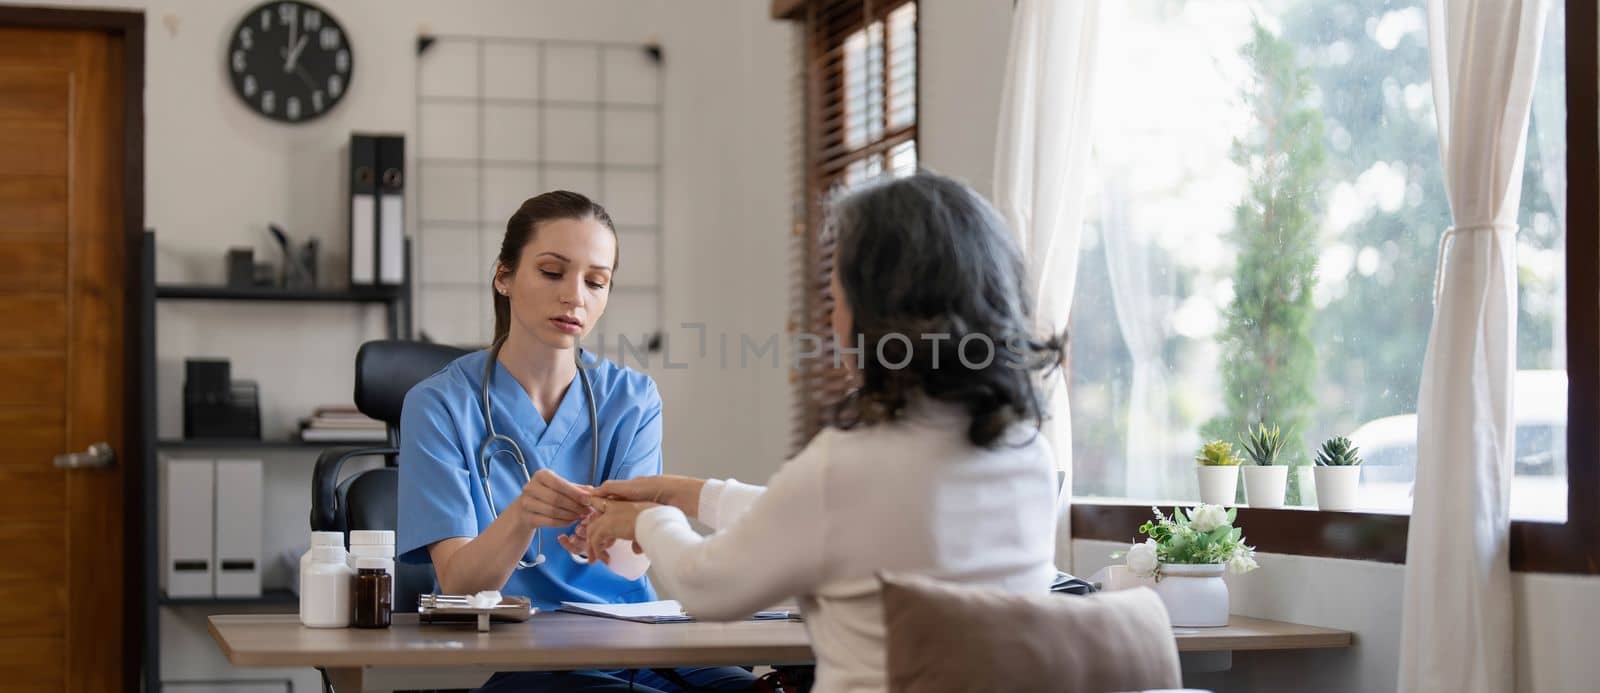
x=714, y=502
x=721, y=503
x=769, y=546
x=681, y=492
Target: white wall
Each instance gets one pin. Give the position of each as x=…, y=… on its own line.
x=963, y=60
x=216, y=174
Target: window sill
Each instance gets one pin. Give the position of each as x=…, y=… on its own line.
x=1536, y=547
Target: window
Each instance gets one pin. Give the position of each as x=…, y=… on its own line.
x=1265, y=214
x=860, y=122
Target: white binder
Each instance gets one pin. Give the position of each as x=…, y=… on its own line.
x=391, y=209
x=363, y=210
x=363, y=238
x=186, y=527
x=238, y=515
x=391, y=239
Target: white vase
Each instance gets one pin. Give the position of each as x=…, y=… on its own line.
x=1195, y=595
x=1264, y=485
x=1336, y=487
x=1218, y=483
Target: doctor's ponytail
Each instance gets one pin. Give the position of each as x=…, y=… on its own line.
x=551, y=206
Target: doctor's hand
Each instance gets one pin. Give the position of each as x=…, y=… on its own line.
x=611, y=520
x=681, y=492
x=551, y=501
x=578, y=541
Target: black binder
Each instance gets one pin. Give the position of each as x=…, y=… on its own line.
x=363, y=210
x=391, y=209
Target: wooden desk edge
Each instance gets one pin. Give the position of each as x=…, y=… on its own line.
x=1237, y=643
x=1192, y=640
x=216, y=636
x=525, y=660
x=1300, y=637
x=636, y=659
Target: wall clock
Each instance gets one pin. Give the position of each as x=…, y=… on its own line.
x=290, y=61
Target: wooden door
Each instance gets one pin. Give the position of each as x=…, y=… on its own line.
x=61, y=359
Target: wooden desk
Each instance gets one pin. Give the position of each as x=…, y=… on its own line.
x=408, y=655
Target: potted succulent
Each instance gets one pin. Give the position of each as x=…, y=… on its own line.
x=1186, y=554
x=1264, y=479
x=1338, y=473
x=1218, y=469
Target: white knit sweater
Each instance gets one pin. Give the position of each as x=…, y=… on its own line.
x=913, y=496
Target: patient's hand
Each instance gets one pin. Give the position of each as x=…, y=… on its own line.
x=681, y=492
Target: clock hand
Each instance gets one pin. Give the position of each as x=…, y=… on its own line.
x=289, y=52
x=299, y=70
x=293, y=55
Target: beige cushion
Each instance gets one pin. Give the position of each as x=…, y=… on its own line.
x=945, y=637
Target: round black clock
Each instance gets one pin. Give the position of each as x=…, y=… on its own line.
x=290, y=61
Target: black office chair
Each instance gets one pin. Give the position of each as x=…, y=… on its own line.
x=385, y=371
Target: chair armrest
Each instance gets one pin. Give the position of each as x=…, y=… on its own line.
x=326, y=513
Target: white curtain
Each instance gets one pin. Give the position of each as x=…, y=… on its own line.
x=1041, y=164
x=1140, y=292
x=1456, y=634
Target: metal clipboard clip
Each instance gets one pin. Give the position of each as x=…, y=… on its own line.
x=455, y=608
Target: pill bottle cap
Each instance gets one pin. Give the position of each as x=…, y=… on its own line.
x=371, y=537
x=327, y=539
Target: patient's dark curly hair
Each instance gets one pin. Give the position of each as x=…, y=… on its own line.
x=926, y=255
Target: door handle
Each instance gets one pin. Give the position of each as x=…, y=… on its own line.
x=98, y=456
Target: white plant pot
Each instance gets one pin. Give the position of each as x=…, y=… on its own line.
x=1336, y=487
x=1264, y=486
x=1195, y=595
x=1218, y=484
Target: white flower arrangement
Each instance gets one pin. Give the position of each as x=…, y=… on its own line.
x=1142, y=559
x=1203, y=535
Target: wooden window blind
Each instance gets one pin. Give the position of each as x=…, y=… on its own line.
x=860, y=122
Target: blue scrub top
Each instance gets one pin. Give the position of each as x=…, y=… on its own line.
x=441, y=489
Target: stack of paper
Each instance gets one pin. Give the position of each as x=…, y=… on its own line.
x=664, y=611
x=339, y=423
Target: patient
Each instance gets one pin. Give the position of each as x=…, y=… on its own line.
x=934, y=466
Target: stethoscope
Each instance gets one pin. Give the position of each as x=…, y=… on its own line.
x=485, y=457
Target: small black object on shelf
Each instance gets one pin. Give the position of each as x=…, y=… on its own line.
x=299, y=263
x=241, y=267
x=215, y=405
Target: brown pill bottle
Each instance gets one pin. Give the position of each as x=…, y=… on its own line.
x=370, y=594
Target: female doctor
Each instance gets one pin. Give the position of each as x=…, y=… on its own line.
x=501, y=448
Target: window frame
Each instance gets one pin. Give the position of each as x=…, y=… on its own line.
x=1543, y=547
x=816, y=382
